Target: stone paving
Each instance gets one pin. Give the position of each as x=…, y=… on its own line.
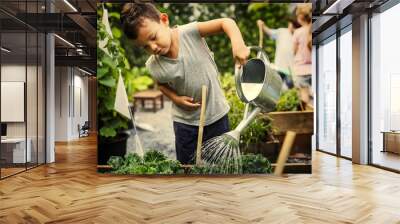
x=163, y=138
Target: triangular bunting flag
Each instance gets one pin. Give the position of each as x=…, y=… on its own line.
x=121, y=99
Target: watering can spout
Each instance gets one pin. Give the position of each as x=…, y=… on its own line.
x=244, y=123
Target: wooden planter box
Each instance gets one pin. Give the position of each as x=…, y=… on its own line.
x=301, y=122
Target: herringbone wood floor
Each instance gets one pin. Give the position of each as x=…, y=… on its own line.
x=70, y=191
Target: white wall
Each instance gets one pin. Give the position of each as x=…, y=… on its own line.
x=62, y=80
x=71, y=94
x=33, y=127
x=16, y=73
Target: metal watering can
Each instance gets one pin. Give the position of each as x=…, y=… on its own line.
x=258, y=85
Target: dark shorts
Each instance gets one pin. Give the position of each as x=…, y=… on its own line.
x=186, y=137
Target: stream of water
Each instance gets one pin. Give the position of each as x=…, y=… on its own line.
x=222, y=153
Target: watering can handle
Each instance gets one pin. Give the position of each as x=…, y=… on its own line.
x=239, y=69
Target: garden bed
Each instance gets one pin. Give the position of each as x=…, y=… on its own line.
x=155, y=162
x=289, y=168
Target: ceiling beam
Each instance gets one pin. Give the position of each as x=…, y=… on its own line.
x=81, y=61
x=89, y=30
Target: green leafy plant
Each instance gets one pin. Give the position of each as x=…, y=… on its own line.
x=289, y=101
x=132, y=159
x=115, y=162
x=153, y=162
x=108, y=68
x=255, y=164
x=257, y=131
x=154, y=156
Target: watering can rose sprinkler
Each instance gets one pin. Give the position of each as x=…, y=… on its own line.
x=258, y=85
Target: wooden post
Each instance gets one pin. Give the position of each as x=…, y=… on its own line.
x=201, y=124
x=261, y=36
x=285, y=151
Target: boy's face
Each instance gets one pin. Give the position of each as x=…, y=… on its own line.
x=155, y=37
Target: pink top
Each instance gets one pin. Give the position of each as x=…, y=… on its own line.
x=302, y=59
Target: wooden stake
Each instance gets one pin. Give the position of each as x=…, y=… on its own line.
x=201, y=124
x=261, y=36
x=284, y=153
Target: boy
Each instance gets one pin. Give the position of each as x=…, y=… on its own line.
x=181, y=63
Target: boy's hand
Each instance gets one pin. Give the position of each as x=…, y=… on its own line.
x=240, y=53
x=186, y=102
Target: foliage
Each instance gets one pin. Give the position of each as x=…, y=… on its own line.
x=110, y=63
x=110, y=122
x=115, y=161
x=154, y=156
x=153, y=162
x=255, y=164
x=245, y=16
x=237, y=106
x=132, y=159
x=251, y=164
x=256, y=132
x=258, y=129
x=289, y=101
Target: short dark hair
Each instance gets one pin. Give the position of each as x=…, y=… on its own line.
x=133, y=14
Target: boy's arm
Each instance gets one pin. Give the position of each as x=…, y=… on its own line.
x=184, y=101
x=228, y=26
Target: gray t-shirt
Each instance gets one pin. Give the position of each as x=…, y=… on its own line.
x=194, y=67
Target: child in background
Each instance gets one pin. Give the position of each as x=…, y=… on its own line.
x=182, y=63
x=284, y=48
x=302, y=50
